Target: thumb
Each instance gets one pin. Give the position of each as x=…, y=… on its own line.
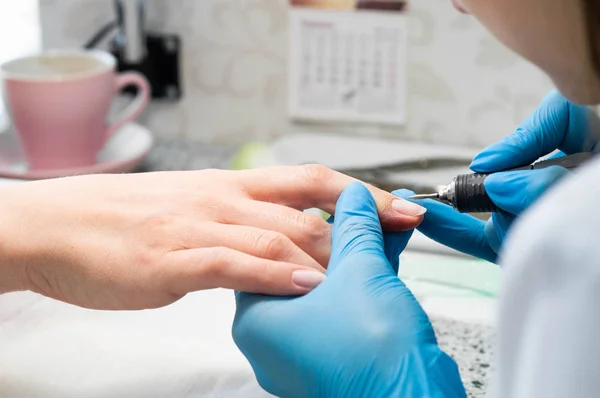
x=515, y=191
x=555, y=124
x=356, y=227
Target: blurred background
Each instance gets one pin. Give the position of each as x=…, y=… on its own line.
x=462, y=86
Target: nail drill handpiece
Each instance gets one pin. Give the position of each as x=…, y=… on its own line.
x=466, y=193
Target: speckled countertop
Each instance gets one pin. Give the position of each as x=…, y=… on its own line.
x=469, y=344
x=471, y=347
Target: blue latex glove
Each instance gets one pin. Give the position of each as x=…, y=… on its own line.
x=361, y=333
x=556, y=124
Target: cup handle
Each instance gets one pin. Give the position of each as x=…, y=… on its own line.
x=139, y=103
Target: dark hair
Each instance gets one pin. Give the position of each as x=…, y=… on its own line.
x=591, y=10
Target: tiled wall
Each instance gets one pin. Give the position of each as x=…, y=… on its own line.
x=464, y=87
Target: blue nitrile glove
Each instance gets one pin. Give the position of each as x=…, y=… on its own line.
x=556, y=124
x=361, y=333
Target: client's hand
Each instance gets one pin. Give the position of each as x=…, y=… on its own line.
x=146, y=240
x=361, y=333
x=556, y=124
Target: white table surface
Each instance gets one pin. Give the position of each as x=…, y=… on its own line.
x=50, y=349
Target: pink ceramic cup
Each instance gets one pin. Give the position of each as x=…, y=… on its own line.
x=59, y=102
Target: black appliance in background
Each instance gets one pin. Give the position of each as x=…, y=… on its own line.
x=157, y=56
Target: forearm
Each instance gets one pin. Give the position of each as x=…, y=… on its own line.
x=13, y=262
x=12, y=274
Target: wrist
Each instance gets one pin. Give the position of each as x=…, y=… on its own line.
x=13, y=264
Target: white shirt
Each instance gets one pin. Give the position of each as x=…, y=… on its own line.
x=549, y=326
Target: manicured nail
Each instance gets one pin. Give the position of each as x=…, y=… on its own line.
x=307, y=279
x=408, y=208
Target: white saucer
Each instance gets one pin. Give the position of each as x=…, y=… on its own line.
x=123, y=153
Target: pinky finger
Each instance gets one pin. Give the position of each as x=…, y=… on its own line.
x=220, y=267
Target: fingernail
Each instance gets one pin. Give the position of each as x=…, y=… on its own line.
x=408, y=208
x=307, y=279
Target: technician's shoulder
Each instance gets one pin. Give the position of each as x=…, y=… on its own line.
x=562, y=228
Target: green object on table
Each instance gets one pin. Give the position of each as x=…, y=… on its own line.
x=249, y=156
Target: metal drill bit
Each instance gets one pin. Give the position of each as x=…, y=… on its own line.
x=428, y=196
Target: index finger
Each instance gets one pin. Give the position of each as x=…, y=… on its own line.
x=555, y=124
x=316, y=186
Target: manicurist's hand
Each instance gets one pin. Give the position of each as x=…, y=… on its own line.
x=146, y=240
x=360, y=333
x=556, y=124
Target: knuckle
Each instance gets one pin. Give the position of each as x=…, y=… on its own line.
x=521, y=137
x=161, y=221
x=274, y=244
x=145, y=259
x=212, y=208
x=216, y=259
x=383, y=200
x=265, y=275
x=314, y=227
x=160, y=230
x=316, y=173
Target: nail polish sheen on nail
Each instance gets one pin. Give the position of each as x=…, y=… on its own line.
x=408, y=208
x=307, y=279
